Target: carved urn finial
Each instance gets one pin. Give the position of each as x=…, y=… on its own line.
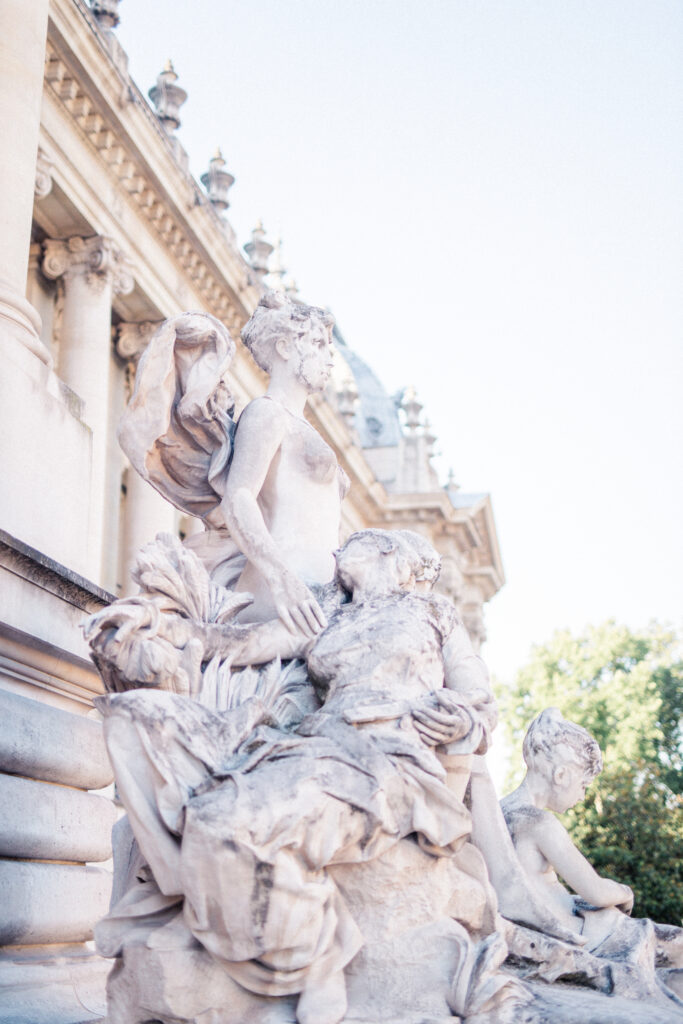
x=258, y=250
x=217, y=182
x=168, y=97
x=412, y=409
x=106, y=12
x=290, y=286
x=276, y=269
x=451, y=483
x=429, y=436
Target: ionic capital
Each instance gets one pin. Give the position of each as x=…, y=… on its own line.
x=44, y=167
x=132, y=339
x=99, y=260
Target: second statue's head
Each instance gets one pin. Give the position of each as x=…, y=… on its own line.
x=385, y=561
x=290, y=335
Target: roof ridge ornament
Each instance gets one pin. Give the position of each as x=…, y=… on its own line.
x=168, y=97
x=106, y=13
x=258, y=250
x=217, y=182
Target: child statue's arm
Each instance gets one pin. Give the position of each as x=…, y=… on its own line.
x=555, y=844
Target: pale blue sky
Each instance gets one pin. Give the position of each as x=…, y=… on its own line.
x=489, y=196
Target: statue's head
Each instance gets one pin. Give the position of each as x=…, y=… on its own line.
x=564, y=754
x=281, y=329
x=396, y=558
x=430, y=561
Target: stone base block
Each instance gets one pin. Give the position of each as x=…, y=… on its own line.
x=44, y=986
x=43, y=902
x=170, y=985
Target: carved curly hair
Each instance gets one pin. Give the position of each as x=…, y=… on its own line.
x=277, y=316
x=551, y=738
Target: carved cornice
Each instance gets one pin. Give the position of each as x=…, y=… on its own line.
x=133, y=177
x=99, y=259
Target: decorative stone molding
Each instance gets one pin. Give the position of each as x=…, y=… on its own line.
x=132, y=338
x=99, y=259
x=133, y=179
x=217, y=182
x=44, y=167
x=168, y=97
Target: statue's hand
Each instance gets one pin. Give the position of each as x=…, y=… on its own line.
x=444, y=724
x=296, y=605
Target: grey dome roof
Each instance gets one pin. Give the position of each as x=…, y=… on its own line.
x=376, y=418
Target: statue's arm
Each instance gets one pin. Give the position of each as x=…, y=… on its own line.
x=555, y=844
x=259, y=436
x=252, y=644
x=466, y=679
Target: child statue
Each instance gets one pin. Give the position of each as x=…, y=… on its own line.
x=562, y=759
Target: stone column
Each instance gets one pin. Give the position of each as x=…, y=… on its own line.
x=94, y=270
x=146, y=513
x=22, y=56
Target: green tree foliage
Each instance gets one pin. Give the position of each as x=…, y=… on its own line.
x=626, y=688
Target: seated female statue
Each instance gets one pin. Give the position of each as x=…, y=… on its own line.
x=242, y=820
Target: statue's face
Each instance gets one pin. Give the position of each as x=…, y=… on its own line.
x=313, y=358
x=568, y=787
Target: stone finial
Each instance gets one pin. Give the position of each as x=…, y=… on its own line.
x=44, y=166
x=258, y=250
x=412, y=409
x=276, y=269
x=290, y=286
x=168, y=97
x=347, y=401
x=99, y=259
x=106, y=12
x=429, y=437
x=217, y=182
x=131, y=339
x=451, y=483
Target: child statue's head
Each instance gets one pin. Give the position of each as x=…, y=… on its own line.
x=564, y=754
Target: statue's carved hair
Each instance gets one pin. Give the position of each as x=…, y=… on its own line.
x=430, y=560
x=275, y=317
x=551, y=740
x=413, y=551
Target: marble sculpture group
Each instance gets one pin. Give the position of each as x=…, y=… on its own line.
x=299, y=734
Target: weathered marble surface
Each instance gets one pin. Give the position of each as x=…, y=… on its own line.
x=312, y=835
x=269, y=495
x=245, y=813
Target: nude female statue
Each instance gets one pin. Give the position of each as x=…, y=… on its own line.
x=268, y=489
x=283, y=494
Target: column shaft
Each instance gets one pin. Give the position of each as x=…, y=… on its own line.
x=93, y=270
x=22, y=56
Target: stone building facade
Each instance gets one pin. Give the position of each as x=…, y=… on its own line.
x=105, y=234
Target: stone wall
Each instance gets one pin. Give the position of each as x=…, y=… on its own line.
x=56, y=806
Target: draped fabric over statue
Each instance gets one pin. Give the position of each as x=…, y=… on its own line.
x=178, y=429
x=243, y=819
